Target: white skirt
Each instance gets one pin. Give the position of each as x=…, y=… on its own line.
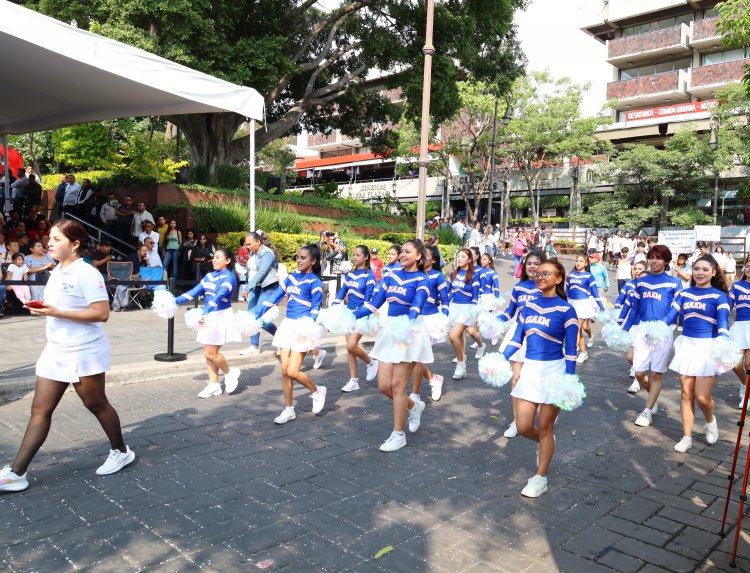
x=537, y=376
x=584, y=307
x=435, y=323
x=66, y=364
x=461, y=314
x=645, y=358
x=289, y=335
x=218, y=328
x=519, y=354
x=740, y=333
x=390, y=352
x=692, y=357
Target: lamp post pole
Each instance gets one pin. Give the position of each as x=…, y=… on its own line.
x=424, y=139
x=492, y=167
x=713, y=144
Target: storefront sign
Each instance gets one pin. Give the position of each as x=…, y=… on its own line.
x=678, y=112
x=708, y=233
x=678, y=241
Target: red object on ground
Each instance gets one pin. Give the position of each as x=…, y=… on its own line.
x=15, y=161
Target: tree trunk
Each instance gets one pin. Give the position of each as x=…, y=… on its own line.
x=209, y=136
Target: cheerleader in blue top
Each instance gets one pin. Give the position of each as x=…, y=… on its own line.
x=485, y=287
x=583, y=294
x=435, y=306
x=464, y=295
x=550, y=327
x=406, y=291
x=304, y=291
x=739, y=297
x=522, y=293
x=217, y=325
x=622, y=304
x=705, y=313
x=394, y=252
x=492, y=281
x=357, y=288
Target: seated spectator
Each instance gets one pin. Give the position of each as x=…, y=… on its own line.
x=45, y=241
x=201, y=255
x=148, y=233
x=11, y=248
x=18, y=228
x=33, y=215
x=139, y=258
x=18, y=271
x=40, y=265
x=152, y=253
x=101, y=256
x=3, y=248
x=41, y=227
x=23, y=244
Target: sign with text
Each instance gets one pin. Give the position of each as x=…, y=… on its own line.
x=709, y=233
x=678, y=241
x=678, y=111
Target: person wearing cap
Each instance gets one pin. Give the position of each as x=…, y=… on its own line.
x=376, y=264
x=600, y=272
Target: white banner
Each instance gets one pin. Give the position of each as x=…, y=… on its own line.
x=678, y=241
x=709, y=233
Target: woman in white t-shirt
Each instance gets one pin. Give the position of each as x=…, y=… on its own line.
x=77, y=352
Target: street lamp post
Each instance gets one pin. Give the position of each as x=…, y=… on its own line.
x=713, y=144
x=424, y=139
x=492, y=167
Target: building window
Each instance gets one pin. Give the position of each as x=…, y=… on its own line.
x=621, y=116
x=725, y=56
x=710, y=13
x=657, y=25
x=652, y=69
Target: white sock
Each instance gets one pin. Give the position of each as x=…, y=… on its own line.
x=398, y=433
x=461, y=362
x=289, y=409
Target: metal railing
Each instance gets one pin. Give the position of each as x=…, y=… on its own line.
x=101, y=232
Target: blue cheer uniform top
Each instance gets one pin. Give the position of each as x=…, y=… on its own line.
x=216, y=287
x=359, y=286
x=705, y=312
x=580, y=285
x=491, y=283
x=304, y=292
x=461, y=292
x=550, y=327
x=623, y=303
x=739, y=298
x=406, y=293
x=651, y=298
x=438, y=285
x=390, y=268
x=522, y=293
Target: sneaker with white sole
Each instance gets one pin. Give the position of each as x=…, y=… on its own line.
x=395, y=441
x=211, y=389
x=644, y=419
x=460, y=372
x=474, y=345
x=288, y=414
x=635, y=387
x=319, y=359
x=436, y=386
x=116, y=460
x=455, y=360
x=655, y=409
x=319, y=399
x=10, y=481
x=684, y=444
x=712, y=431
x=535, y=487
x=742, y=396
x=415, y=415
x=415, y=397
x=250, y=351
x=590, y=342
x=231, y=379
x=512, y=430
x=582, y=357
x=631, y=373
x=480, y=351
x=351, y=386
x=372, y=370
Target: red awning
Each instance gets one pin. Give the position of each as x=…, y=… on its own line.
x=15, y=161
x=316, y=162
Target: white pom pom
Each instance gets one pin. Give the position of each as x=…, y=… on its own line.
x=345, y=267
x=609, y=315
x=438, y=327
x=193, y=318
x=495, y=369
x=567, y=393
x=337, y=319
x=270, y=315
x=492, y=328
x=491, y=303
x=368, y=325
x=164, y=305
x=246, y=323
x=654, y=334
x=726, y=353
x=615, y=337
x=401, y=330
x=310, y=333
x=466, y=315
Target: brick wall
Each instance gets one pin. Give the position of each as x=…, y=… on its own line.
x=658, y=39
x=708, y=75
x=654, y=84
x=703, y=29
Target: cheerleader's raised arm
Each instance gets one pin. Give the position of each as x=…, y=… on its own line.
x=216, y=289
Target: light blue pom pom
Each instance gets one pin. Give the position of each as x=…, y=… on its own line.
x=494, y=369
x=567, y=393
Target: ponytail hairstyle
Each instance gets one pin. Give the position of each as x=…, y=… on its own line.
x=419, y=246
x=314, y=251
x=366, y=252
x=226, y=252
x=436, y=266
x=469, y=267
x=587, y=268
x=475, y=251
x=560, y=271
x=717, y=281
x=536, y=254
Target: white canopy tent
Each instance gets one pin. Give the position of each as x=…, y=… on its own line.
x=55, y=74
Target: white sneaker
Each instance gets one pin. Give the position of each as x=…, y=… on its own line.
x=372, y=370
x=679, y=329
x=351, y=386
x=474, y=345
x=10, y=481
x=582, y=357
x=512, y=430
x=455, y=360
x=590, y=341
x=250, y=351
x=286, y=415
x=742, y=396
x=231, y=379
x=415, y=397
x=116, y=461
x=415, y=415
x=712, y=431
x=211, y=389
x=436, y=386
x=395, y=441
x=655, y=409
x=480, y=351
x=319, y=399
x=631, y=373
x=460, y=372
x=644, y=419
x=535, y=487
x=319, y=359
x=684, y=444
x=635, y=387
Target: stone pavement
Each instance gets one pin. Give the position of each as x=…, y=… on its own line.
x=218, y=487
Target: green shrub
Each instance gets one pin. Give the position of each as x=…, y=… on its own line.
x=447, y=236
x=199, y=174
x=396, y=238
x=234, y=216
x=282, y=220
x=98, y=177
x=232, y=177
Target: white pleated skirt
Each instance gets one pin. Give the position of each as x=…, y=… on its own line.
x=218, y=328
x=435, y=324
x=740, y=333
x=389, y=351
x=692, y=357
x=585, y=308
x=645, y=358
x=68, y=364
x=290, y=335
x=461, y=314
x=520, y=354
x=537, y=377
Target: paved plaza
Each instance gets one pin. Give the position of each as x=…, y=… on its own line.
x=218, y=487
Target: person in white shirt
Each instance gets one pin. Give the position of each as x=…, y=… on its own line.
x=720, y=257
x=593, y=242
x=731, y=269
x=77, y=352
x=459, y=228
x=624, y=268
x=139, y=217
x=70, y=200
x=152, y=253
x=107, y=213
x=148, y=232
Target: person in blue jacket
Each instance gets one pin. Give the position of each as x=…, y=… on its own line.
x=739, y=298
x=583, y=295
x=704, y=308
x=599, y=271
x=217, y=324
x=357, y=288
x=550, y=327
x=304, y=292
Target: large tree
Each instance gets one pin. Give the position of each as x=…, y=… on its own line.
x=310, y=64
x=734, y=24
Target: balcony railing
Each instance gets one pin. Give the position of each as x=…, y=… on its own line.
x=651, y=89
x=672, y=42
x=705, y=80
x=705, y=34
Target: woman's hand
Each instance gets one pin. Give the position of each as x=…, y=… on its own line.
x=46, y=310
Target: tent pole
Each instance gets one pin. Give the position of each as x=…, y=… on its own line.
x=6, y=172
x=252, y=174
